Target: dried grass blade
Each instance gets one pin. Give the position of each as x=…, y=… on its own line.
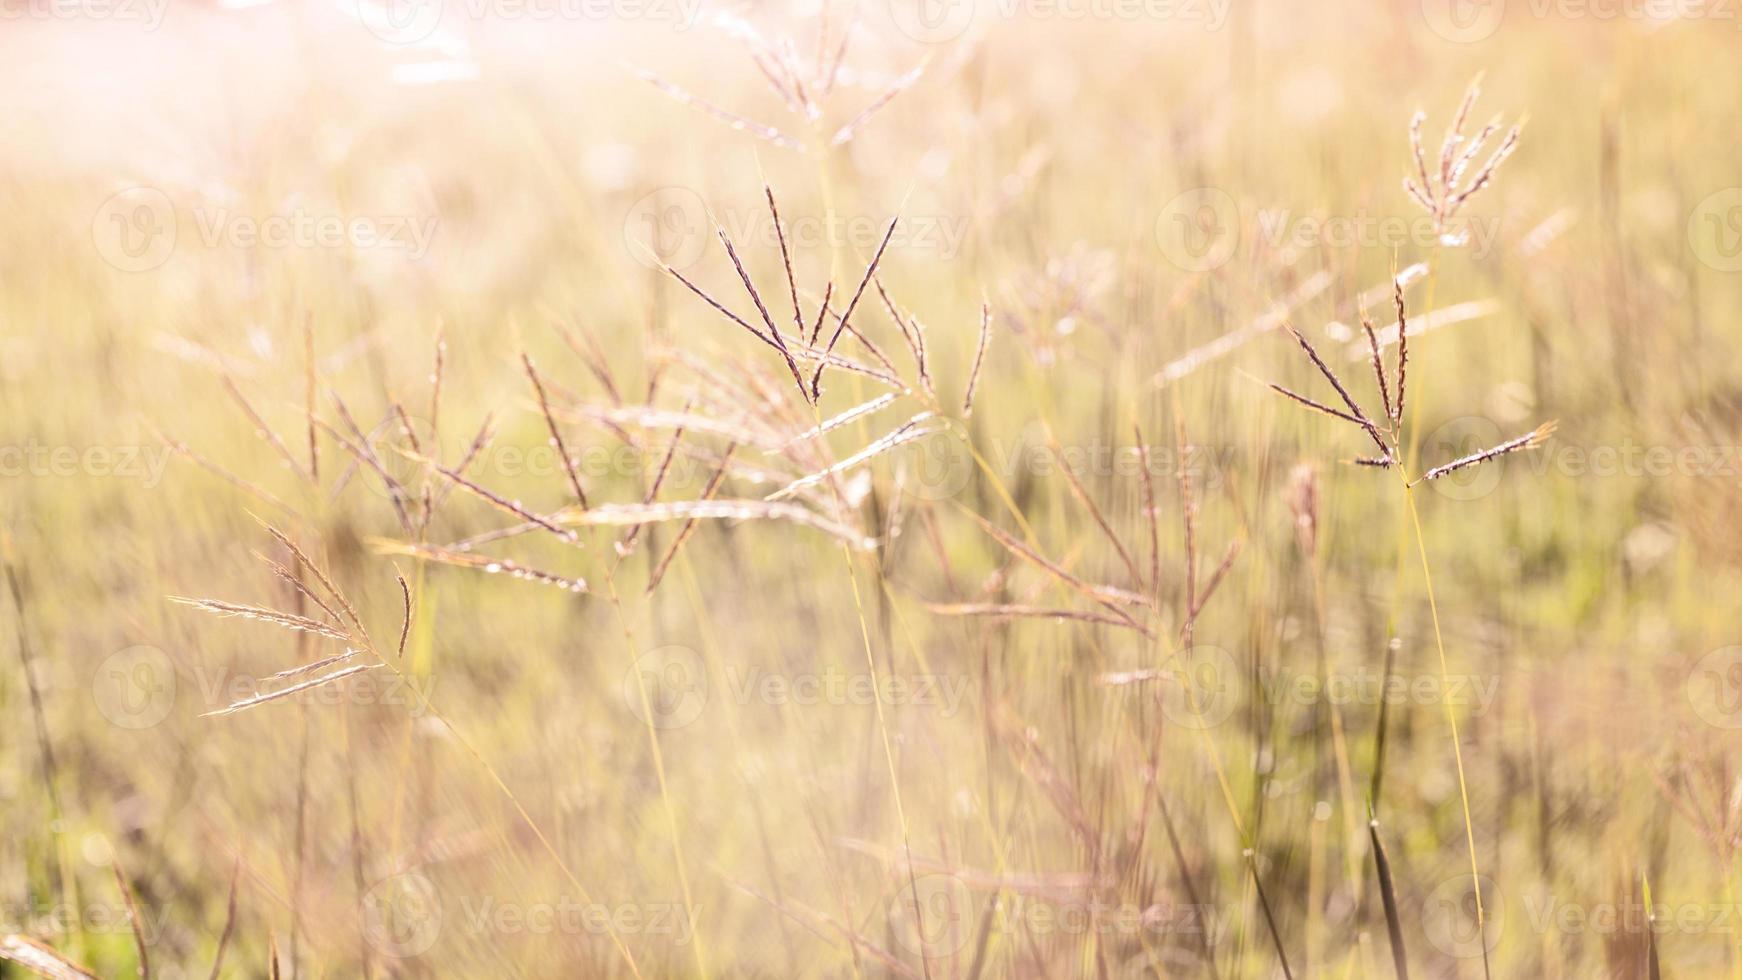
x=761, y=307
x=289, y=621
x=1378, y=369
x=1360, y=417
x=364, y=455
x=438, y=372
x=865, y=342
x=979, y=359
x=1316, y=406
x=1388, y=898
x=834, y=422
x=626, y=546
x=260, y=699
x=556, y=436
x=690, y=525
x=1105, y=595
x=482, y=563
x=229, y=921
x=1005, y=610
x=906, y=432
x=182, y=448
x=909, y=332
x=1120, y=678
x=732, y=119
x=1233, y=340
x=1445, y=316
x=261, y=429
x=1486, y=174
x=721, y=308
x=622, y=515
x=851, y=129
x=1530, y=440
x=297, y=584
x=314, y=666
x=1402, y=352
x=1455, y=132
x=405, y=621
x=822, y=308
x=133, y=922
x=647, y=417
x=308, y=395
x=1188, y=510
x=1100, y=519
x=785, y=259
x=586, y=347
x=1150, y=510
x=1038, y=767
x=870, y=270
x=494, y=499
x=320, y=575
x=1418, y=152
x=479, y=441
x=41, y=959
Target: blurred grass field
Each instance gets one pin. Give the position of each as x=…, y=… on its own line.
x=788, y=759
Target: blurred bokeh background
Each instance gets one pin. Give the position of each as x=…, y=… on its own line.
x=207, y=204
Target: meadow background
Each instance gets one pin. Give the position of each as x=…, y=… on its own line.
x=757, y=769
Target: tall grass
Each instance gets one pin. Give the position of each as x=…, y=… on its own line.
x=738, y=547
